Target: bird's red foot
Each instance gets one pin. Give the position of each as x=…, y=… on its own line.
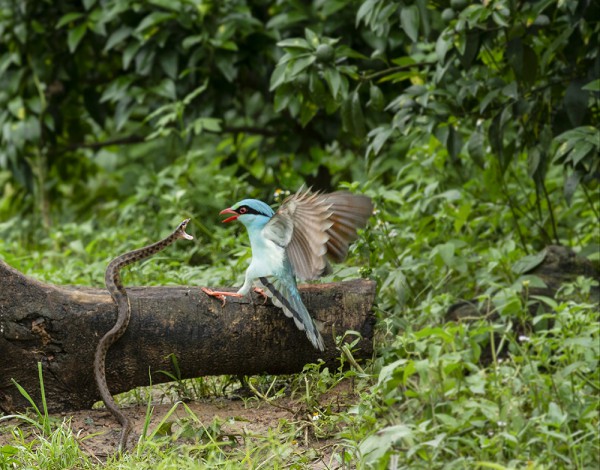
x=262, y=293
x=221, y=295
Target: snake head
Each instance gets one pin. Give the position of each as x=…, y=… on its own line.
x=181, y=230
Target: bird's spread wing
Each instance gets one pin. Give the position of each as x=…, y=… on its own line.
x=349, y=212
x=314, y=227
x=285, y=295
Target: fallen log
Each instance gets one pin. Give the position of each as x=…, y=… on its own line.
x=60, y=327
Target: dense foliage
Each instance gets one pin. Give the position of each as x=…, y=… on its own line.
x=474, y=126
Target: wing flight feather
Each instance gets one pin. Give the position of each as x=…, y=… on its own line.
x=315, y=227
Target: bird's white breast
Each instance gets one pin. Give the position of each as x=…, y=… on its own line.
x=267, y=257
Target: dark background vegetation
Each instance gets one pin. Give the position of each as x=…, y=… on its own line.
x=473, y=126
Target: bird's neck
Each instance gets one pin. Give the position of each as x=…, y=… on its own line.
x=257, y=241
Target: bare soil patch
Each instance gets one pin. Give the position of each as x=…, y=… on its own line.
x=98, y=431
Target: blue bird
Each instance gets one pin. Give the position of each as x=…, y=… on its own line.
x=298, y=240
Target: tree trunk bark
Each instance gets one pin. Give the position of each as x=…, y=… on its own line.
x=60, y=327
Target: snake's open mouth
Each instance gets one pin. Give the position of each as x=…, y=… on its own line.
x=229, y=210
x=187, y=236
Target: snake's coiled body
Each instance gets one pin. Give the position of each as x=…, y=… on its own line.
x=112, y=278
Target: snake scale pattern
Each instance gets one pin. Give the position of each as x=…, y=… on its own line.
x=112, y=279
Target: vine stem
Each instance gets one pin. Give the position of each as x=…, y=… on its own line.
x=590, y=201
x=513, y=212
x=398, y=68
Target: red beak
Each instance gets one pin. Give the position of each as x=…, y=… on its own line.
x=229, y=211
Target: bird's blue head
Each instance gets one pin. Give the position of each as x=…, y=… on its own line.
x=249, y=212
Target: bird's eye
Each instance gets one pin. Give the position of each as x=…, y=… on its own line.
x=243, y=210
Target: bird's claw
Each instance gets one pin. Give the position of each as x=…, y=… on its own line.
x=262, y=293
x=222, y=296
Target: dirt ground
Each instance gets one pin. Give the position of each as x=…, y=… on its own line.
x=98, y=431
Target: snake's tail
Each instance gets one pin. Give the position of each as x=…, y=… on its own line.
x=125, y=431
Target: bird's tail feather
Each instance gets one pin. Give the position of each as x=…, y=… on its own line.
x=288, y=299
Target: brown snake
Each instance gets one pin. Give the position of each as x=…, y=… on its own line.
x=112, y=278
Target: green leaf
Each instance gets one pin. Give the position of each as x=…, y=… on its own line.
x=286, y=20
x=117, y=37
x=376, y=101
x=346, y=113
x=365, y=12
x=122, y=113
x=471, y=48
x=446, y=253
x=410, y=20
x=580, y=151
x=435, y=443
x=532, y=280
x=175, y=6
x=487, y=99
x=192, y=41
x=195, y=93
x=96, y=22
x=164, y=428
x=530, y=65
x=388, y=371
x=308, y=110
x=462, y=216
x=475, y=147
x=278, y=76
x=9, y=450
x=511, y=91
x=281, y=99
x=144, y=60
x=301, y=64
x=564, y=149
x=116, y=91
x=68, y=18
x=318, y=92
x=514, y=55
x=311, y=38
x=212, y=124
x=495, y=136
x=592, y=86
x=7, y=59
x=166, y=89
x=529, y=262
x=576, y=103
x=206, y=124
x=295, y=43
x=571, y=183
x=379, y=136
x=374, y=447
x=533, y=161
x=333, y=79
x=344, y=51
x=129, y=53
x=358, y=120
x=454, y=143
x=228, y=46
x=492, y=465
x=500, y=19
x=75, y=36
x=226, y=65
x=442, y=45
x=169, y=62
x=154, y=19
